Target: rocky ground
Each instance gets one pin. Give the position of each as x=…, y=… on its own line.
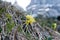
x=11, y=22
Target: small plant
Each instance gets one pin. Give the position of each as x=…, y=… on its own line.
x=10, y=26
x=20, y=29
x=8, y=16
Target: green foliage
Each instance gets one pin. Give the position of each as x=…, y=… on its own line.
x=2, y=10
x=0, y=29
x=48, y=38
x=8, y=16
x=28, y=35
x=9, y=26
x=23, y=18
x=46, y=21
x=20, y=29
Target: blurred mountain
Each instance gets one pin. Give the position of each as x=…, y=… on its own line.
x=50, y=8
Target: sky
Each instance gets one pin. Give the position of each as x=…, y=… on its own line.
x=22, y=3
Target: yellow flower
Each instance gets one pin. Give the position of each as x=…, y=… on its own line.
x=54, y=26
x=29, y=19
